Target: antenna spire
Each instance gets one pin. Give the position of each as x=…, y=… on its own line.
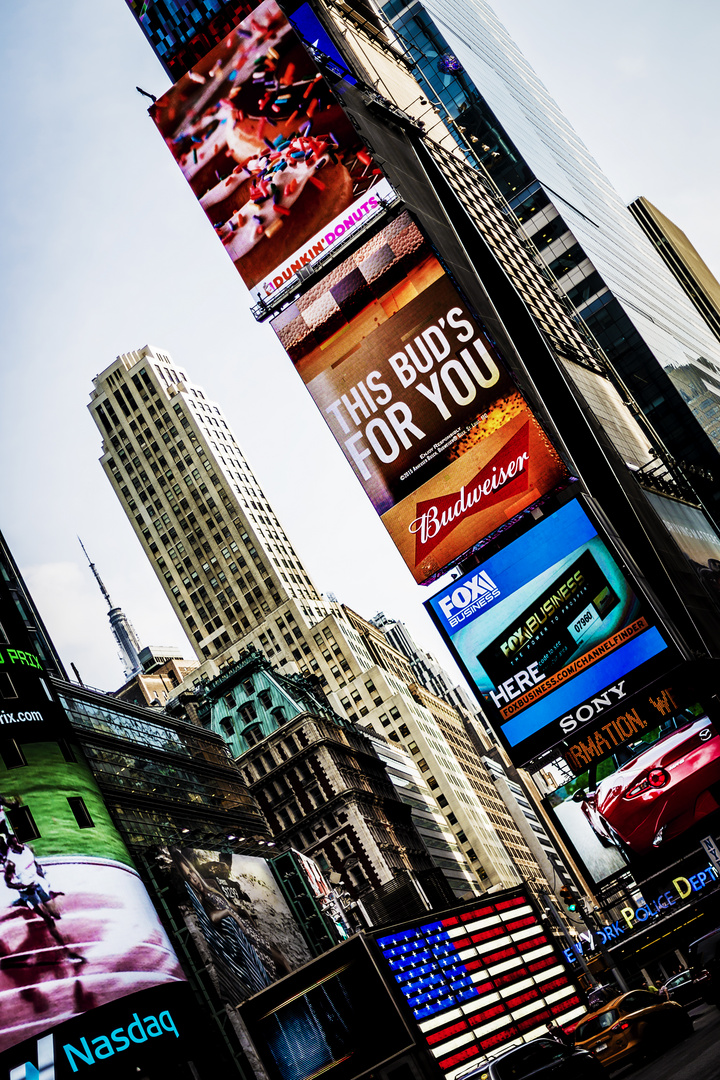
x=99, y=580
x=126, y=639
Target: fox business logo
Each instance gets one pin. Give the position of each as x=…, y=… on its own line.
x=94, y=1050
x=473, y=595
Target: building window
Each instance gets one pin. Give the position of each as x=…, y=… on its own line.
x=7, y=687
x=23, y=824
x=80, y=812
x=11, y=754
x=66, y=750
x=253, y=734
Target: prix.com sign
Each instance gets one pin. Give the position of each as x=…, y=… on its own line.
x=632, y=918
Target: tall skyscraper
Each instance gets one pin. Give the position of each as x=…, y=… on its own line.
x=603, y=262
x=683, y=260
x=223, y=559
x=427, y=670
x=234, y=580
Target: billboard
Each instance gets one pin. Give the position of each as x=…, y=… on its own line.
x=77, y=926
x=551, y=633
x=267, y=149
x=481, y=978
x=334, y=1017
x=28, y=710
x=233, y=904
x=644, y=804
x=182, y=33
x=418, y=397
x=156, y=1033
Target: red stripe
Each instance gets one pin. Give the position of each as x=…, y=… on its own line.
x=464, y=1055
x=445, y=1033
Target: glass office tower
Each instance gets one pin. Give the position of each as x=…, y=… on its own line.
x=585, y=234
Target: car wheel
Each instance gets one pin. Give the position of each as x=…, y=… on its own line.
x=626, y=851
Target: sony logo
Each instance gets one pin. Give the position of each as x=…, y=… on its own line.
x=592, y=708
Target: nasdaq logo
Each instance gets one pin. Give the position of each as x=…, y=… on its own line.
x=45, y=1068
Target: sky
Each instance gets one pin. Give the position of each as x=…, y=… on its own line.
x=104, y=249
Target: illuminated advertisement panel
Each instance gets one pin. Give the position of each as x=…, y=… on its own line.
x=28, y=710
x=267, y=150
x=480, y=978
x=317, y=38
x=334, y=1017
x=77, y=926
x=154, y=1034
x=235, y=904
x=550, y=632
x=418, y=398
x=181, y=32
x=648, y=801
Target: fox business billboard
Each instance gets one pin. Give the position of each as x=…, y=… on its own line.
x=551, y=633
x=418, y=397
x=268, y=151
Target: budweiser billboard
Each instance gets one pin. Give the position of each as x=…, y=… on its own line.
x=418, y=397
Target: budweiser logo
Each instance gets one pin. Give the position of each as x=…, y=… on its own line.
x=505, y=476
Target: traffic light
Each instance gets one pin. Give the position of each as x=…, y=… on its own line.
x=568, y=898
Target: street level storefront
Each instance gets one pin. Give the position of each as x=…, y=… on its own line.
x=654, y=937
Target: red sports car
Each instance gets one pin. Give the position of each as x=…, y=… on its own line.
x=660, y=792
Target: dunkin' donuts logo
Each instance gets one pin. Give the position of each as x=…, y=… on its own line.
x=504, y=476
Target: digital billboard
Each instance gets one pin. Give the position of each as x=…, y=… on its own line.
x=77, y=926
x=418, y=398
x=267, y=149
x=480, y=978
x=644, y=804
x=156, y=1033
x=28, y=710
x=334, y=1017
x=551, y=633
x=234, y=903
x=181, y=32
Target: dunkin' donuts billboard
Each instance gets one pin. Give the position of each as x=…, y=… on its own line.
x=418, y=397
x=267, y=149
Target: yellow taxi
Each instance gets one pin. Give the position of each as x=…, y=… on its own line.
x=631, y=1026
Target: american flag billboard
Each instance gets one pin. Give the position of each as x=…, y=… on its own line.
x=480, y=978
